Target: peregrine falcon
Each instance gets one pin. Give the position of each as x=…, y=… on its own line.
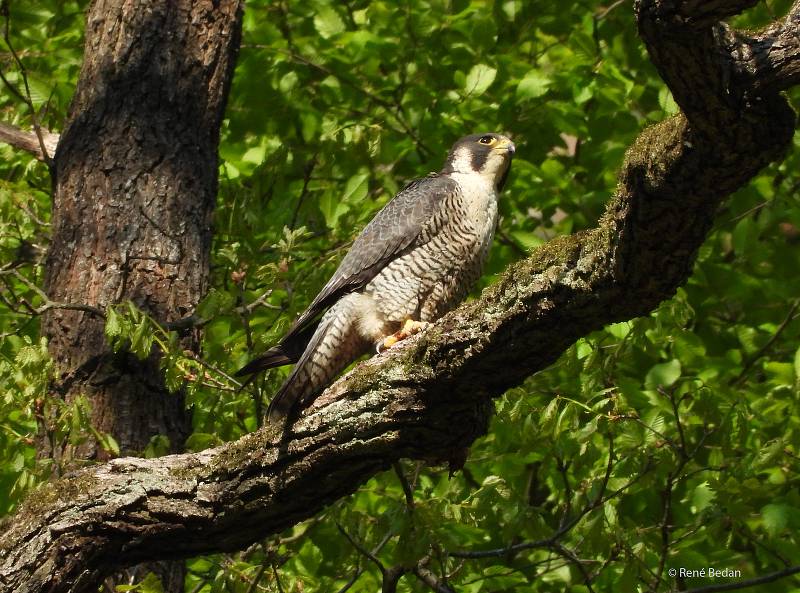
x=412, y=263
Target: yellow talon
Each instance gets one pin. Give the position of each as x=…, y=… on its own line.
x=409, y=328
x=389, y=341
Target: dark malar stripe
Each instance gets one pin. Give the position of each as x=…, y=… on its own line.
x=479, y=157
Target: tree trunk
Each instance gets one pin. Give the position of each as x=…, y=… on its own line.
x=135, y=182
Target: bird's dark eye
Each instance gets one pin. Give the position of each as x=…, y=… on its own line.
x=485, y=139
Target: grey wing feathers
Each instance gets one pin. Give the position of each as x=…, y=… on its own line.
x=393, y=230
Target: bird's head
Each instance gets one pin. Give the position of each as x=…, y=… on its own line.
x=488, y=155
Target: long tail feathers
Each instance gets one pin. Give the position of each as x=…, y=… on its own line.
x=320, y=350
x=274, y=357
x=335, y=344
x=288, y=351
x=302, y=382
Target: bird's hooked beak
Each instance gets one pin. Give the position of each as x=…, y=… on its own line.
x=506, y=149
x=507, y=145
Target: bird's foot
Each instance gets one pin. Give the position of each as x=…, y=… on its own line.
x=410, y=327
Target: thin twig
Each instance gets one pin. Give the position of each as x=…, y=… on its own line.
x=549, y=541
x=254, y=583
x=277, y=578
x=307, y=171
x=666, y=528
x=409, y=494
x=683, y=451
x=24, y=73
x=575, y=561
x=71, y=307
x=562, y=470
x=194, y=321
x=22, y=205
x=193, y=356
x=604, y=13
x=790, y=316
x=359, y=570
x=48, y=304
x=361, y=549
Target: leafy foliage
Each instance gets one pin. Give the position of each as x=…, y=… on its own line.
x=664, y=442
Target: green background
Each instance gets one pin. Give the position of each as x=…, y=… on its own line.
x=334, y=106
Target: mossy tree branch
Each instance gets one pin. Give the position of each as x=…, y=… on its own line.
x=432, y=395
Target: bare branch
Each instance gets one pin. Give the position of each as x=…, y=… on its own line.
x=707, y=12
x=429, y=578
x=48, y=304
x=790, y=316
x=37, y=128
x=558, y=534
x=390, y=579
x=769, y=61
x=359, y=570
x=407, y=491
x=29, y=141
x=361, y=549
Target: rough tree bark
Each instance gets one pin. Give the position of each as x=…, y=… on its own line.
x=432, y=395
x=135, y=182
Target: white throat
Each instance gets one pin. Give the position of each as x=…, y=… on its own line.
x=479, y=197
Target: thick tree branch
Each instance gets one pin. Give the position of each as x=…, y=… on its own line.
x=29, y=141
x=702, y=13
x=770, y=60
x=432, y=395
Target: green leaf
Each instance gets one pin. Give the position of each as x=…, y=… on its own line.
x=141, y=340
x=41, y=89
x=28, y=357
x=533, y=85
x=479, y=79
x=158, y=446
x=549, y=412
x=663, y=375
x=620, y=330
x=332, y=208
x=667, y=102
x=199, y=441
x=151, y=584
x=214, y=303
x=702, y=497
x=775, y=517
x=328, y=22
x=255, y=155
x=108, y=443
x=356, y=188
x=113, y=328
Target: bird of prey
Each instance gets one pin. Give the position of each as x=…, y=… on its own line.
x=412, y=263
